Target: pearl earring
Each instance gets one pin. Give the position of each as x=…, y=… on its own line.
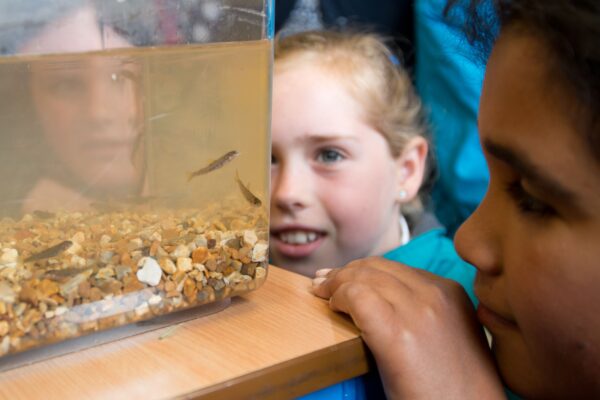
x=403, y=194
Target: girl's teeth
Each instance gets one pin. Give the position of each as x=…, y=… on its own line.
x=298, y=237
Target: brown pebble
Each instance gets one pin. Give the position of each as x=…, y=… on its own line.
x=154, y=248
x=211, y=264
x=29, y=294
x=170, y=286
x=234, y=243
x=47, y=288
x=170, y=234
x=132, y=285
x=96, y=294
x=189, y=289
x=248, y=269
x=84, y=289
x=199, y=255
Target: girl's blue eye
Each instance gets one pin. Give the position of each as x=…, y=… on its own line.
x=329, y=156
x=527, y=203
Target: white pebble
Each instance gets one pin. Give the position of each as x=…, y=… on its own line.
x=200, y=241
x=79, y=237
x=250, y=237
x=180, y=251
x=9, y=258
x=77, y=261
x=150, y=273
x=141, y=309
x=75, y=248
x=259, y=252
x=154, y=300
x=260, y=273
x=156, y=236
x=184, y=264
x=200, y=267
x=5, y=345
x=105, y=240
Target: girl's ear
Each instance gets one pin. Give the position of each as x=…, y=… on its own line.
x=411, y=166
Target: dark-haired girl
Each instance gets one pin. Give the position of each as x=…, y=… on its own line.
x=534, y=238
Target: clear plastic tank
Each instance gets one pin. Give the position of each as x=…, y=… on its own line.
x=134, y=148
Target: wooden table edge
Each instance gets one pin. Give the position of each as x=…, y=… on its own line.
x=295, y=377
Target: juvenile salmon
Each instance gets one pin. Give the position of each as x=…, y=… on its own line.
x=218, y=163
x=251, y=198
x=50, y=252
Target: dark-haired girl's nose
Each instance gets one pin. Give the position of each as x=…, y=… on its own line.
x=477, y=240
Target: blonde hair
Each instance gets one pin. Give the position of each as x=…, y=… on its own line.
x=364, y=64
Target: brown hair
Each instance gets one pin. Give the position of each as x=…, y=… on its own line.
x=366, y=66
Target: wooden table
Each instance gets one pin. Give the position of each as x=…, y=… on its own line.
x=276, y=342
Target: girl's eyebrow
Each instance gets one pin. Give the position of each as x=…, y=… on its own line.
x=328, y=137
x=530, y=171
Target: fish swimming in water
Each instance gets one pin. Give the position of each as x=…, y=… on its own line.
x=63, y=274
x=252, y=199
x=218, y=163
x=50, y=252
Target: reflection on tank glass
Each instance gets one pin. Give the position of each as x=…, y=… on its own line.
x=121, y=197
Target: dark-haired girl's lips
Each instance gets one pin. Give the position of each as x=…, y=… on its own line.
x=492, y=320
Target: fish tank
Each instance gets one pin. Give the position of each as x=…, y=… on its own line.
x=135, y=150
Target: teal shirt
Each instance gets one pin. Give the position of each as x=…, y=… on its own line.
x=431, y=251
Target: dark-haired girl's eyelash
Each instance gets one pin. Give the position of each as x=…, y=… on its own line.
x=526, y=202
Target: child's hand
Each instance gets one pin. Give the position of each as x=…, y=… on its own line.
x=421, y=329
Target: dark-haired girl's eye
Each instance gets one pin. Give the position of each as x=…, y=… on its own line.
x=329, y=156
x=527, y=203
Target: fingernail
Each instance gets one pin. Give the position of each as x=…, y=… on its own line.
x=318, y=281
x=323, y=272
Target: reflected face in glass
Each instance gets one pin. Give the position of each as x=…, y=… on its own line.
x=534, y=238
x=333, y=177
x=88, y=106
x=89, y=112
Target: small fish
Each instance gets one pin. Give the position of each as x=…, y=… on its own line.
x=219, y=163
x=252, y=199
x=61, y=274
x=50, y=252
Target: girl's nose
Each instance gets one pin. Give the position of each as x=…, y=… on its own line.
x=101, y=97
x=477, y=240
x=290, y=188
